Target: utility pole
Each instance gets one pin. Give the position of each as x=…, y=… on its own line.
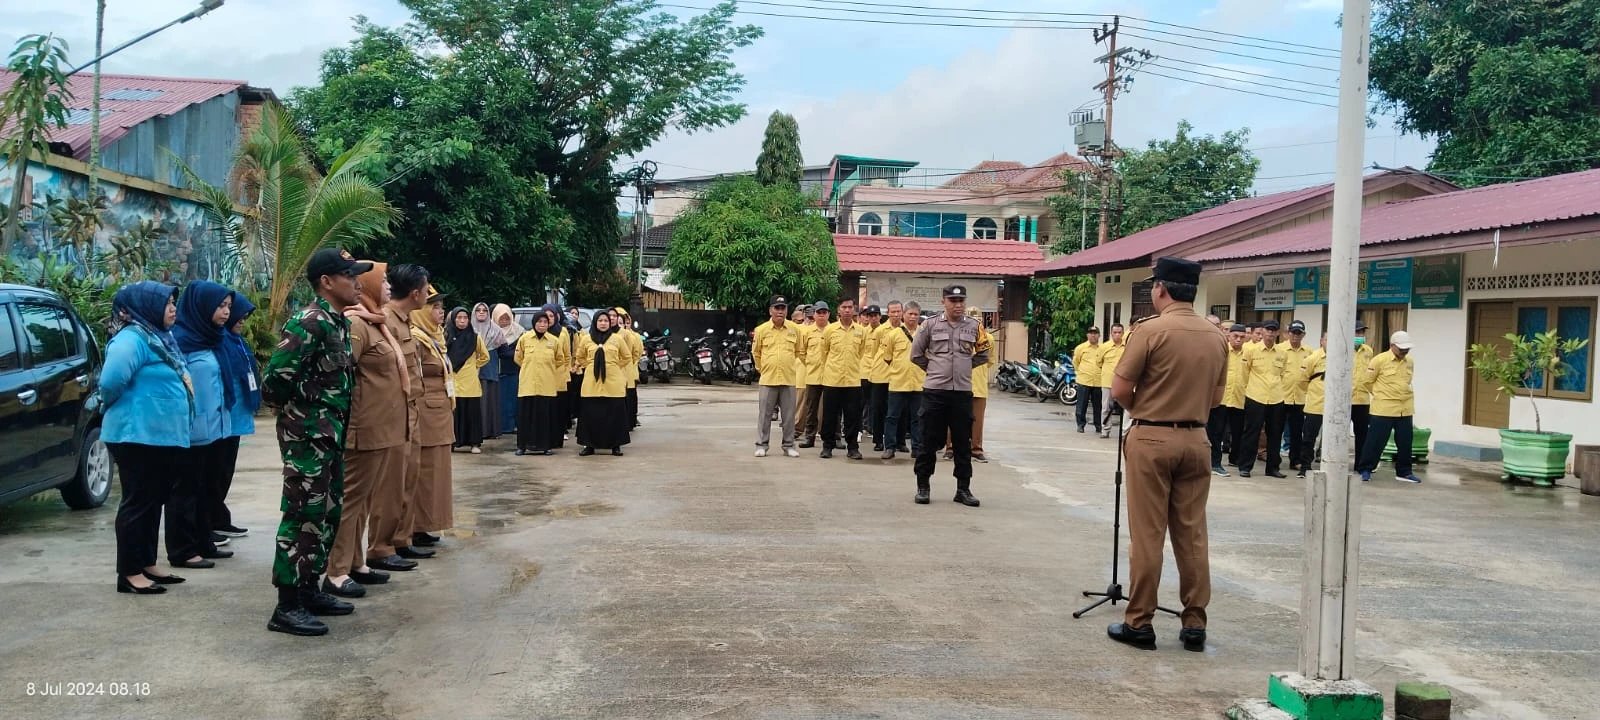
x=642, y=178
x=1116, y=59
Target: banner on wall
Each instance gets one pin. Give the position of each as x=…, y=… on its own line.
x=928, y=291
x=1436, y=282
x=1275, y=290
x=1379, y=282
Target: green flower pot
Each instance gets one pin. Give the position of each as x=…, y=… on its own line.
x=1539, y=457
x=1419, y=446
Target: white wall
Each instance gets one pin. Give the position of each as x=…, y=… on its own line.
x=1120, y=291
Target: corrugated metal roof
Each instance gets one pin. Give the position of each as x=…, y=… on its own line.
x=988, y=172
x=1558, y=197
x=889, y=254
x=166, y=96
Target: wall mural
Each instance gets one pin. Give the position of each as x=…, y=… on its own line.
x=187, y=250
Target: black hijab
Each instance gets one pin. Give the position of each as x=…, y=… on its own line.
x=461, y=344
x=600, y=337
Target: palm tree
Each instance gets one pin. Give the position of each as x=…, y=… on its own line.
x=35, y=102
x=293, y=211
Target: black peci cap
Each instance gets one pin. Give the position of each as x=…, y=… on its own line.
x=1176, y=270
x=1270, y=325
x=955, y=291
x=777, y=301
x=872, y=310
x=1297, y=327
x=334, y=261
x=1236, y=327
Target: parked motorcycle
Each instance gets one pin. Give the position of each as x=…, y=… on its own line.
x=1009, y=376
x=657, y=361
x=702, y=364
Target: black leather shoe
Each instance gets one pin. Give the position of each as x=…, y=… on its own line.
x=350, y=588
x=164, y=579
x=414, y=553
x=827, y=452
x=216, y=554
x=296, y=621
x=321, y=603
x=966, y=498
x=201, y=564
x=424, y=540
x=393, y=563
x=808, y=443
x=1300, y=474
x=586, y=452
x=853, y=454
x=1276, y=474
x=124, y=586
x=887, y=454
x=370, y=578
x=1244, y=473
x=616, y=452
x=922, y=496
x=877, y=448
x=1194, y=639
x=1142, y=638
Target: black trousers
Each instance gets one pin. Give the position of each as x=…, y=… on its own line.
x=188, y=522
x=632, y=398
x=1310, y=427
x=214, y=504
x=1223, y=424
x=147, y=473
x=1378, y=436
x=903, y=422
x=1361, y=418
x=1089, y=397
x=541, y=421
x=946, y=413
x=877, y=410
x=836, y=400
x=1256, y=417
x=1293, y=418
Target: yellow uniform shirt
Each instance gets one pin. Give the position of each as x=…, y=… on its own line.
x=869, y=349
x=894, y=352
x=465, y=377
x=841, y=352
x=1293, y=392
x=1086, y=362
x=879, y=372
x=1310, y=381
x=635, y=347
x=774, y=351
x=616, y=382
x=1360, y=381
x=544, y=364
x=1390, y=380
x=1233, y=395
x=1110, y=355
x=815, y=358
x=980, y=372
x=1265, y=367
x=802, y=331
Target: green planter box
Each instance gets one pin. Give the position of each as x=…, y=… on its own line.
x=1419, y=446
x=1538, y=457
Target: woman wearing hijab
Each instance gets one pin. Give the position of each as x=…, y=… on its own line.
x=203, y=310
x=467, y=355
x=603, y=413
x=542, y=355
x=565, y=408
x=376, y=442
x=244, y=373
x=575, y=333
x=489, y=373
x=623, y=325
x=511, y=332
x=148, y=404
x=435, y=425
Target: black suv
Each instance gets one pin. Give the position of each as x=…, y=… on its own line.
x=49, y=428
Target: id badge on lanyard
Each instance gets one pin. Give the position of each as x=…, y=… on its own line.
x=251, y=379
x=449, y=386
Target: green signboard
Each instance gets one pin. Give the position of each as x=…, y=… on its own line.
x=1381, y=282
x=1436, y=282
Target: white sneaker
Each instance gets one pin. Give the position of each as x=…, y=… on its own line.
x=761, y=452
x=791, y=452
x=477, y=451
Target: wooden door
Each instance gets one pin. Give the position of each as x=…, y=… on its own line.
x=1491, y=321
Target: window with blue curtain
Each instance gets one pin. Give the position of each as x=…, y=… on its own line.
x=1532, y=320
x=953, y=226
x=927, y=225
x=902, y=224
x=1575, y=323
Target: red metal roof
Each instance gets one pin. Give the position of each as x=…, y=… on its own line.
x=1047, y=172
x=889, y=254
x=988, y=172
x=162, y=96
x=1559, y=197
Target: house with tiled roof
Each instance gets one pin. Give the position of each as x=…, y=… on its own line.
x=149, y=128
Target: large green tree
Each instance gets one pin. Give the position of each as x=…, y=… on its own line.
x=502, y=121
x=744, y=242
x=1508, y=89
x=1165, y=180
x=780, y=160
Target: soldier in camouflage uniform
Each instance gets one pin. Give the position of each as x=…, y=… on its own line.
x=311, y=378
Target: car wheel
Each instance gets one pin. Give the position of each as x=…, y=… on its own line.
x=92, y=485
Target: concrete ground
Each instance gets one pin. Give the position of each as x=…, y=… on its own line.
x=690, y=579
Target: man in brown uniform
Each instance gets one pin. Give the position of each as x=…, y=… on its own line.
x=1173, y=372
x=392, y=501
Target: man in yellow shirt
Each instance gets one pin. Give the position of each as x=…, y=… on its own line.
x=1263, y=402
x=774, y=349
x=841, y=379
x=1294, y=352
x=878, y=375
x=873, y=407
x=1110, y=355
x=1361, y=399
x=1226, y=423
x=810, y=420
x=1393, y=403
x=1310, y=383
x=1086, y=363
x=905, y=386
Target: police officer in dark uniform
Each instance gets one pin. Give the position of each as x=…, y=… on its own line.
x=1173, y=372
x=948, y=347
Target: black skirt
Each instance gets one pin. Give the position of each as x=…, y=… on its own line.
x=603, y=422
x=469, y=422
x=537, y=426
x=491, y=409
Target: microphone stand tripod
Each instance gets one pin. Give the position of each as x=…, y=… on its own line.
x=1113, y=593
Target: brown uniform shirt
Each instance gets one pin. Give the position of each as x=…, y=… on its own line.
x=1178, y=364
x=400, y=327
x=379, y=400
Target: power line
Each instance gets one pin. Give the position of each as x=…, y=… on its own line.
x=1183, y=61
x=1246, y=37
x=1225, y=52
x=1234, y=89
x=1246, y=82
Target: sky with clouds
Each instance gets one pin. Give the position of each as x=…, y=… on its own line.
x=948, y=97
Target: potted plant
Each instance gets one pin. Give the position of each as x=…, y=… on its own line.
x=1534, y=455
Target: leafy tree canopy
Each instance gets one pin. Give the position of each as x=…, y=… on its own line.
x=1509, y=89
x=501, y=121
x=780, y=160
x=745, y=242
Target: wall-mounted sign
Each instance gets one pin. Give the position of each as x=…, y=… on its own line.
x=1275, y=290
x=1380, y=282
x=1436, y=282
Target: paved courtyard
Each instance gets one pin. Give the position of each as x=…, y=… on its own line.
x=689, y=579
